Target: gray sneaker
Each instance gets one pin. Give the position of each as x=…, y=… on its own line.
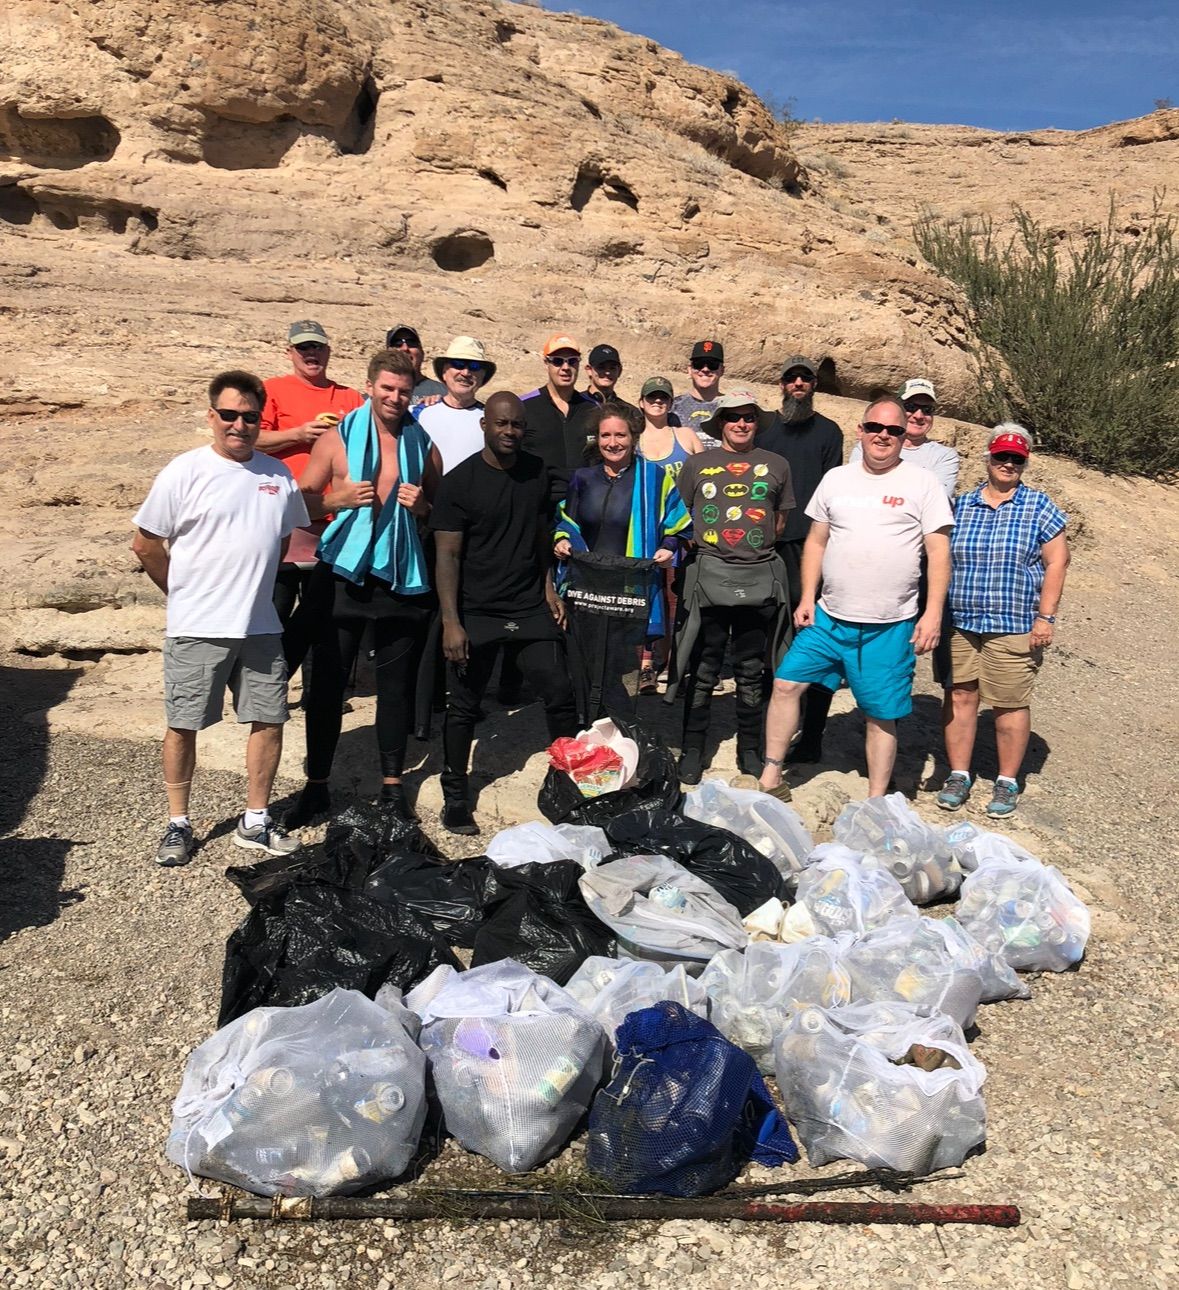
x=269, y=837
x=177, y=846
x=954, y=792
x=1003, y=801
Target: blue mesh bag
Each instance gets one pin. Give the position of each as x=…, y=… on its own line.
x=684, y=1111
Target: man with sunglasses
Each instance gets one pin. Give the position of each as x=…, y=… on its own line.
x=871, y=520
x=813, y=445
x=405, y=337
x=603, y=368
x=210, y=535
x=920, y=403
x=453, y=423
x=706, y=366
x=556, y=414
x=734, y=592
x=300, y=407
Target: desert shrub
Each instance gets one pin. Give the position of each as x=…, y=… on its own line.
x=1075, y=338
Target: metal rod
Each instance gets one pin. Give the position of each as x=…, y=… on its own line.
x=442, y=1204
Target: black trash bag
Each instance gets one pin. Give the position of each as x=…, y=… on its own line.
x=657, y=786
x=292, y=948
x=447, y=896
x=742, y=875
x=537, y=915
x=358, y=840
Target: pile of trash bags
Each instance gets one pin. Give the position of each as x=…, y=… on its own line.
x=635, y=969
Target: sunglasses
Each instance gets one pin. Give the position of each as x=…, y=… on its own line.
x=230, y=415
x=561, y=360
x=609, y=366
x=878, y=427
x=465, y=364
x=733, y=418
x=405, y=342
x=705, y=365
x=1008, y=459
x=309, y=345
x=911, y=406
x=791, y=377
x=656, y=398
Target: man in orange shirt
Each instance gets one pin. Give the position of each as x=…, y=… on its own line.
x=299, y=408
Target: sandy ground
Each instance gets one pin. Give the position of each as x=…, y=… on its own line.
x=110, y=973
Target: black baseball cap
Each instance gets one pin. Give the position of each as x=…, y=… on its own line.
x=402, y=329
x=603, y=354
x=708, y=349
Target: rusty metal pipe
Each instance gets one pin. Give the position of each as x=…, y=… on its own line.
x=457, y=1205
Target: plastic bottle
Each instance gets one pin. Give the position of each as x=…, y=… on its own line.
x=557, y=1080
x=669, y=896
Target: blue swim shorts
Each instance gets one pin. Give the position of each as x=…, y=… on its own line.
x=876, y=660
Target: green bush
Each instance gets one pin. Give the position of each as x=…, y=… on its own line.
x=1077, y=340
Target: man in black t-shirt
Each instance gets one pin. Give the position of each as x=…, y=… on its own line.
x=493, y=573
x=813, y=445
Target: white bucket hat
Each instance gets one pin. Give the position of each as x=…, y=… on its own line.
x=465, y=347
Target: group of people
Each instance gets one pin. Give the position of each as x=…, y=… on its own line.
x=590, y=545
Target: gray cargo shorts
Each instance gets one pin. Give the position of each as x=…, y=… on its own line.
x=198, y=669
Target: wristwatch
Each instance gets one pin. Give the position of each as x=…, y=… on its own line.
x=1048, y=618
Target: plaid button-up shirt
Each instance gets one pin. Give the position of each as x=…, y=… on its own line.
x=998, y=569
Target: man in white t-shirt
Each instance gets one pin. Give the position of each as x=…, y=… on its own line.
x=920, y=403
x=211, y=534
x=454, y=422
x=871, y=520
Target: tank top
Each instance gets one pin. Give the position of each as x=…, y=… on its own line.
x=674, y=459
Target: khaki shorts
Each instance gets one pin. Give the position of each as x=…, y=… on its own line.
x=1005, y=667
x=199, y=669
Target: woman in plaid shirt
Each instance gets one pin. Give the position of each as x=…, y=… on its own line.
x=1009, y=559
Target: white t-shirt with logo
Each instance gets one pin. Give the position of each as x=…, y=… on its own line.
x=878, y=523
x=224, y=522
x=454, y=432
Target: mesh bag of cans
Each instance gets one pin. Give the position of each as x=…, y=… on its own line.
x=999, y=979
x=768, y=825
x=887, y=1084
x=754, y=993
x=1025, y=911
x=972, y=846
x=907, y=960
x=660, y=911
x=684, y=1111
x=915, y=853
x=611, y=989
x=515, y=1060
x=843, y=891
x=319, y=1100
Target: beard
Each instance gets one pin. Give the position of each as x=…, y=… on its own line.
x=795, y=410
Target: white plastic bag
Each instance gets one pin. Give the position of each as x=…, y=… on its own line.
x=537, y=843
x=915, y=853
x=1025, y=911
x=972, y=846
x=768, y=825
x=907, y=960
x=755, y=992
x=999, y=979
x=515, y=1060
x=855, y=1085
x=660, y=911
x=319, y=1100
x=843, y=891
x=611, y=989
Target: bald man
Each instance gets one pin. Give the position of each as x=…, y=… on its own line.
x=492, y=530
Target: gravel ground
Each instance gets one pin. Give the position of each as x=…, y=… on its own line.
x=110, y=973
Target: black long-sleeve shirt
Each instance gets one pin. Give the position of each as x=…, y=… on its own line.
x=812, y=447
x=559, y=440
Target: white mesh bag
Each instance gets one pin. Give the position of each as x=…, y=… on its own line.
x=855, y=1086
x=907, y=960
x=611, y=989
x=915, y=853
x=768, y=825
x=755, y=992
x=844, y=891
x=319, y=1100
x=1025, y=911
x=660, y=911
x=999, y=981
x=540, y=843
x=515, y=1060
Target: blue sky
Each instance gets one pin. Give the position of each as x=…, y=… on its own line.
x=996, y=63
